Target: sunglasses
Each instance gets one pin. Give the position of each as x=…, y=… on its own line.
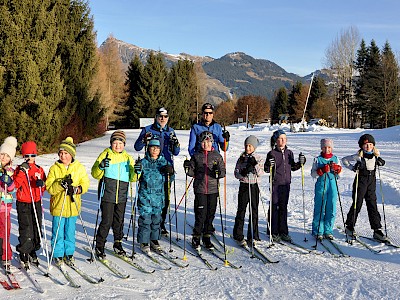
x=163, y=116
x=30, y=155
x=207, y=113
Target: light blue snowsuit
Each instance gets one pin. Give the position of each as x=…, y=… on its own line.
x=326, y=194
x=151, y=198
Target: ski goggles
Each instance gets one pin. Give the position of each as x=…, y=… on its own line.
x=30, y=155
x=206, y=135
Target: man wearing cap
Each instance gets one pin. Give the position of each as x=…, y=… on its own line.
x=169, y=144
x=207, y=124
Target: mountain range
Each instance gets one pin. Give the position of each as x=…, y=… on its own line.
x=234, y=74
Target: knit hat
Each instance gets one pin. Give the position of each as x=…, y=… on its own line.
x=252, y=140
x=69, y=146
x=207, y=106
x=366, y=138
x=326, y=143
x=118, y=135
x=28, y=148
x=162, y=112
x=154, y=142
x=206, y=135
x=9, y=146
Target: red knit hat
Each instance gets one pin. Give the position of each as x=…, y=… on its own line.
x=28, y=148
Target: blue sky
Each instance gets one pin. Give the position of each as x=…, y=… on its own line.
x=292, y=34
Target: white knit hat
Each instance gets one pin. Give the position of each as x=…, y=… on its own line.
x=9, y=147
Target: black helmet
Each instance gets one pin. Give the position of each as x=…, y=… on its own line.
x=366, y=138
x=207, y=106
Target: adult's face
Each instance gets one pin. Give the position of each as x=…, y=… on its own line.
x=208, y=115
x=162, y=120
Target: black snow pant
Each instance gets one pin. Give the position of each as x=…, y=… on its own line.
x=243, y=200
x=367, y=191
x=29, y=235
x=112, y=215
x=205, y=206
x=280, y=199
x=167, y=189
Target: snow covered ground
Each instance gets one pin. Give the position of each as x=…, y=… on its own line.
x=364, y=275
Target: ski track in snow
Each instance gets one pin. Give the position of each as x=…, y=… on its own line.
x=364, y=275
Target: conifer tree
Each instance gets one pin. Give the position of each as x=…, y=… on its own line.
x=135, y=104
x=280, y=104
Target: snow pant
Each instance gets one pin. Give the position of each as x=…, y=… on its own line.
x=112, y=215
x=65, y=243
x=29, y=235
x=167, y=189
x=325, y=199
x=367, y=191
x=5, y=236
x=243, y=200
x=280, y=199
x=149, y=227
x=205, y=206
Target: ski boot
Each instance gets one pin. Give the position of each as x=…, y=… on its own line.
x=118, y=248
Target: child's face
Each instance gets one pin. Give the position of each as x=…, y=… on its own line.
x=368, y=147
x=5, y=159
x=154, y=151
x=65, y=157
x=30, y=158
x=281, y=141
x=327, y=150
x=206, y=145
x=117, y=146
x=249, y=149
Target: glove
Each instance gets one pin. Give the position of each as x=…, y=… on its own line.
x=380, y=162
x=105, y=163
x=359, y=165
x=24, y=167
x=335, y=168
x=6, y=179
x=325, y=169
x=215, y=169
x=252, y=161
x=39, y=183
x=66, y=183
x=226, y=135
x=270, y=162
x=138, y=166
x=243, y=172
x=302, y=159
x=167, y=169
x=173, y=140
x=147, y=137
x=186, y=164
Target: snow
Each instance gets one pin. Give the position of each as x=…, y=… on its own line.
x=364, y=275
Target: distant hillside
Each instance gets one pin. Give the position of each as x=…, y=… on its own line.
x=233, y=74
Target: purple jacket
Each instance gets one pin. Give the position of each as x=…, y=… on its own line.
x=284, y=164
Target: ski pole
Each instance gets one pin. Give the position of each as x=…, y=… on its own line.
x=130, y=220
x=340, y=203
x=251, y=220
x=225, y=144
x=355, y=205
x=262, y=203
x=44, y=228
x=169, y=213
x=304, y=206
x=320, y=213
x=383, y=201
x=87, y=237
x=34, y=209
x=222, y=225
x=6, y=225
x=134, y=219
x=184, y=216
x=58, y=229
x=183, y=196
x=100, y=197
x=176, y=215
x=271, y=241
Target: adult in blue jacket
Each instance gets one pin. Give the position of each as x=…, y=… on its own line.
x=208, y=124
x=169, y=144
